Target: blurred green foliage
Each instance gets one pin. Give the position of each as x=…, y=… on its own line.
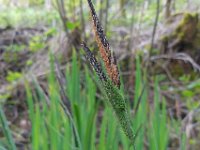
x=13, y=76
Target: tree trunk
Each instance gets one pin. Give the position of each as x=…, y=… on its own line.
x=101, y=11
x=168, y=9
x=122, y=8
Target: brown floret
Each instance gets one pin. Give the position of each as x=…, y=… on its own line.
x=104, y=48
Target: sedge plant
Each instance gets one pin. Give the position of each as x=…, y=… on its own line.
x=110, y=80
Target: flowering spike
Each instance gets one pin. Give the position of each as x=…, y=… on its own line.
x=93, y=61
x=104, y=47
x=112, y=83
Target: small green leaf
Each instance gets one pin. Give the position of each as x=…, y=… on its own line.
x=72, y=25
x=13, y=76
x=188, y=93
x=29, y=62
x=50, y=32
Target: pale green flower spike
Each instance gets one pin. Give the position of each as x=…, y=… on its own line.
x=119, y=105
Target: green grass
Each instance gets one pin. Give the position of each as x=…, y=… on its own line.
x=10, y=144
x=53, y=129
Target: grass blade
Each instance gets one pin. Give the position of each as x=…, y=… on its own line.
x=6, y=130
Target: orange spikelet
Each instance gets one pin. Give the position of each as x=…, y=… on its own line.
x=104, y=48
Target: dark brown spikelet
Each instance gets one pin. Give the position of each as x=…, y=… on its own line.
x=93, y=61
x=104, y=48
